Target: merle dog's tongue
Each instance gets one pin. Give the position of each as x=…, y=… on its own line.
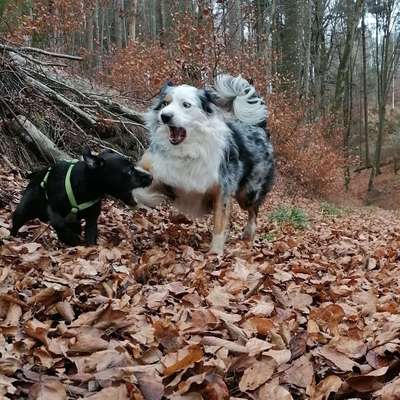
x=176, y=135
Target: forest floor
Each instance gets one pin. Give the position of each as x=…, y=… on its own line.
x=312, y=309
x=386, y=192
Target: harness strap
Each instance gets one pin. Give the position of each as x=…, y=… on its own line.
x=44, y=181
x=75, y=207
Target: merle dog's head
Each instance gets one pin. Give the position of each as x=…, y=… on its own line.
x=115, y=175
x=178, y=112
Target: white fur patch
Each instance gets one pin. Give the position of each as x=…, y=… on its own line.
x=247, y=105
x=192, y=165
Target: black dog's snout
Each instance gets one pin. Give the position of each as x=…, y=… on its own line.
x=144, y=177
x=166, y=118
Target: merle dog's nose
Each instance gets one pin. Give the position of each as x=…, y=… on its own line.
x=166, y=118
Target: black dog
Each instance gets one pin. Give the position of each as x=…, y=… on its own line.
x=71, y=191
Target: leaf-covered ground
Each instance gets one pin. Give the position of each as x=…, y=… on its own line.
x=307, y=313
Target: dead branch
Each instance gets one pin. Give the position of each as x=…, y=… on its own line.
x=40, y=51
x=121, y=109
x=32, y=134
x=33, y=95
x=87, y=118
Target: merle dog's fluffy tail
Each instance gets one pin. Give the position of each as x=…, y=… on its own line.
x=241, y=98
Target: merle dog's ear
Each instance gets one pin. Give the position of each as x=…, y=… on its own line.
x=207, y=98
x=165, y=87
x=91, y=160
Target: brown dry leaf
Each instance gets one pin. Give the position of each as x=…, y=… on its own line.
x=329, y=316
x=13, y=316
x=150, y=384
x=47, y=297
x=50, y=389
x=368, y=301
x=167, y=334
x=218, y=342
x=4, y=233
x=6, y=385
x=184, y=358
x=218, y=297
x=112, y=393
x=280, y=356
x=256, y=346
x=352, y=348
x=259, y=325
x=65, y=310
x=298, y=344
x=257, y=374
x=37, y=330
x=273, y=391
x=391, y=391
x=86, y=343
x=264, y=309
x=368, y=382
x=342, y=362
x=9, y=365
x=330, y=384
x=214, y=388
x=301, y=373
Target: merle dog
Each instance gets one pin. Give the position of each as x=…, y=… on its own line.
x=69, y=191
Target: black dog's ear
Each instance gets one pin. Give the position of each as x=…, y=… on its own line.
x=91, y=160
x=206, y=98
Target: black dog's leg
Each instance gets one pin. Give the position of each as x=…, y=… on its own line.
x=63, y=229
x=30, y=207
x=91, y=225
x=76, y=227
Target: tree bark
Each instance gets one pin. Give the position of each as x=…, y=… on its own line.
x=364, y=79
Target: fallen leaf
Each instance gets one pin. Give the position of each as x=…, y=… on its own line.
x=257, y=374
x=301, y=373
x=330, y=384
x=273, y=391
x=368, y=382
x=51, y=389
x=184, y=358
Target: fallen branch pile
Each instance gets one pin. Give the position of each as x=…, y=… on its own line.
x=45, y=116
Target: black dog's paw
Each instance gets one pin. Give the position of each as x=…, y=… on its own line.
x=70, y=239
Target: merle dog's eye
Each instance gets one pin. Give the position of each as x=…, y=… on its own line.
x=163, y=104
x=186, y=105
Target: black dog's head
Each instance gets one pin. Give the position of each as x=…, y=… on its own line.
x=115, y=175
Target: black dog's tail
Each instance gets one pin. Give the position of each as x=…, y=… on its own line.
x=241, y=97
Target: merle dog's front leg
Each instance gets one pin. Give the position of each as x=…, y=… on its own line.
x=91, y=224
x=64, y=232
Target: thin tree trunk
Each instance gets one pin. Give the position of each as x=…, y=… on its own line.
x=365, y=102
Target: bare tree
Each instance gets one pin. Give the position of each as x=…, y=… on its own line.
x=387, y=53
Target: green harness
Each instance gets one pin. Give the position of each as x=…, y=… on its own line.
x=75, y=207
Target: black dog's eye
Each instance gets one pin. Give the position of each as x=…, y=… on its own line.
x=186, y=105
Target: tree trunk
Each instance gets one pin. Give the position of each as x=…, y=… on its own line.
x=352, y=23
x=132, y=9
x=364, y=84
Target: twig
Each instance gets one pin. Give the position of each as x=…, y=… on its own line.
x=255, y=288
x=40, y=234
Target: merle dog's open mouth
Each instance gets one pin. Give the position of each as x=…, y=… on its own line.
x=176, y=135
